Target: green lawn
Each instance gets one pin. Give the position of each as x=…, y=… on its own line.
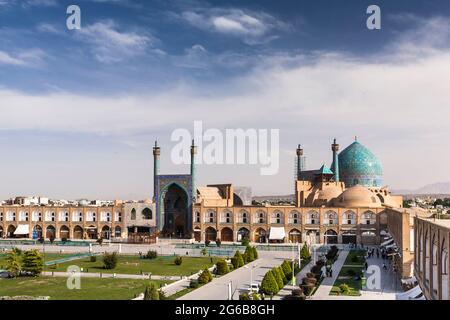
x=91, y=288
x=162, y=266
x=353, y=265
x=48, y=257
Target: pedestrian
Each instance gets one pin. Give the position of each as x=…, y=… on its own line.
x=331, y=273
x=384, y=266
x=366, y=265
x=378, y=254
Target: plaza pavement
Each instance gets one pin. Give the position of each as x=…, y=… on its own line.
x=390, y=284
x=240, y=278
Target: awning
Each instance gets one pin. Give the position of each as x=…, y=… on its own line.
x=410, y=294
x=393, y=246
x=411, y=280
x=22, y=229
x=277, y=233
x=386, y=242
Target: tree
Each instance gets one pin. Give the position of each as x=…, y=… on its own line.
x=110, y=260
x=178, y=261
x=250, y=254
x=283, y=276
x=32, y=262
x=151, y=254
x=235, y=262
x=278, y=277
x=17, y=251
x=13, y=264
x=269, y=284
x=304, y=253
x=239, y=258
x=222, y=267
x=245, y=242
x=205, y=277
x=255, y=253
x=151, y=292
x=244, y=296
x=287, y=269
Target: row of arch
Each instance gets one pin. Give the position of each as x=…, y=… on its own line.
x=294, y=217
x=432, y=261
x=77, y=216
x=146, y=213
x=78, y=232
x=261, y=235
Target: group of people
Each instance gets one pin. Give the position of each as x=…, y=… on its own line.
x=371, y=252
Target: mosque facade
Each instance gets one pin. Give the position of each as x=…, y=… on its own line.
x=345, y=203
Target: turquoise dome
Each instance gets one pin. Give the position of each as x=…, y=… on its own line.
x=358, y=165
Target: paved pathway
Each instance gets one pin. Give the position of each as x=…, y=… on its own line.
x=240, y=278
x=112, y=275
x=323, y=292
x=389, y=283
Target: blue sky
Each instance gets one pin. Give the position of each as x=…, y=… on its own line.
x=86, y=105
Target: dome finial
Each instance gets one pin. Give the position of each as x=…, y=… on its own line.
x=356, y=138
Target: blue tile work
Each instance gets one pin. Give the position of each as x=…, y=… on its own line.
x=358, y=165
x=163, y=182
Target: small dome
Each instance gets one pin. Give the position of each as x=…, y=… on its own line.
x=358, y=196
x=323, y=197
x=358, y=165
x=329, y=193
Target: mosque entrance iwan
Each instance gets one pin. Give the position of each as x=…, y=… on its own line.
x=175, y=213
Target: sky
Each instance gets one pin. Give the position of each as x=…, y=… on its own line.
x=81, y=109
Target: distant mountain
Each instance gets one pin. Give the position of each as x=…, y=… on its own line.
x=434, y=188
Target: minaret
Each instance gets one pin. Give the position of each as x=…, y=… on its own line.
x=193, y=173
x=299, y=161
x=335, y=165
x=156, y=156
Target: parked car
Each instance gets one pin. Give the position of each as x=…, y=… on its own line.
x=253, y=287
x=4, y=274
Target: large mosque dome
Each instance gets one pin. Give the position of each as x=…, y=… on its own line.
x=358, y=165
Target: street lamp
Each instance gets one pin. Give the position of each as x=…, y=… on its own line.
x=251, y=274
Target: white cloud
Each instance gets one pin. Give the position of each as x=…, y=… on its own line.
x=396, y=101
x=110, y=45
x=28, y=58
x=252, y=27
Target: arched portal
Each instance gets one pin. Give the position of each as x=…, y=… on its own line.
x=349, y=237
x=10, y=231
x=1, y=232
x=312, y=237
x=226, y=234
x=64, y=232
x=78, y=232
x=210, y=234
x=295, y=236
x=106, y=232
x=37, y=232
x=50, y=232
x=176, y=212
x=147, y=214
x=260, y=235
x=243, y=233
x=92, y=232
x=330, y=237
x=117, y=232
x=198, y=234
